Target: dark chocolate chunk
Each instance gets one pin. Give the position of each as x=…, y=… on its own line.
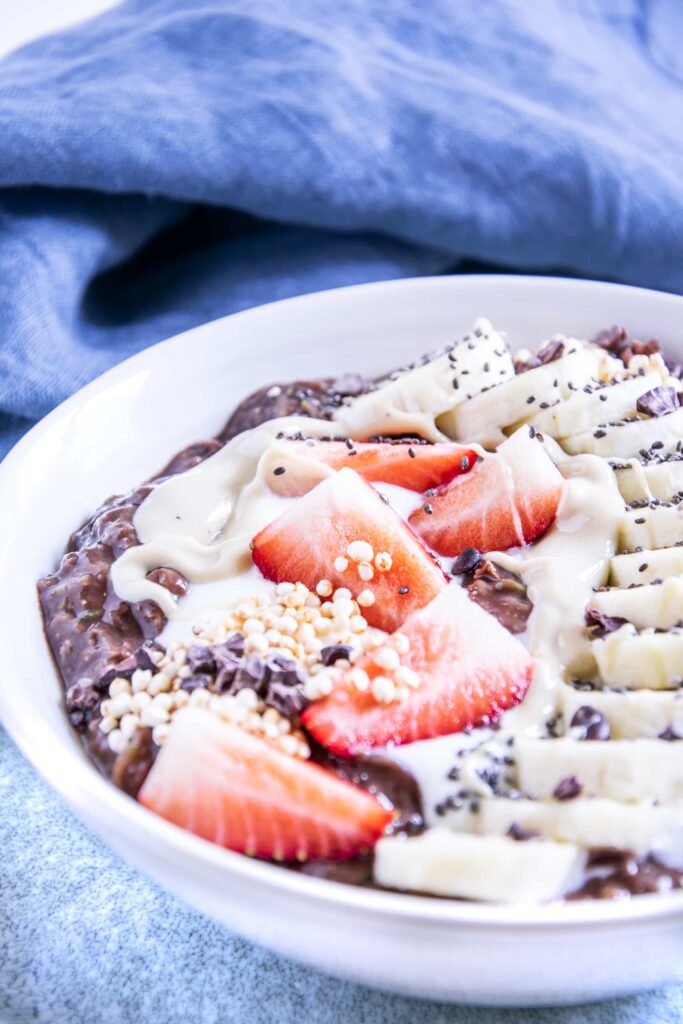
x=201, y=681
x=200, y=658
x=335, y=652
x=250, y=673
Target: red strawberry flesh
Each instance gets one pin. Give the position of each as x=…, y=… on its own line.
x=471, y=670
x=417, y=467
x=237, y=790
x=508, y=499
x=302, y=544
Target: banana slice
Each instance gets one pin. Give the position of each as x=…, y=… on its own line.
x=628, y=437
x=660, y=527
x=623, y=770
x=486, y=417
x=646, y=566
x=640, y=661
x=415, y=397
x=655, y=606
x=640, y=827
x=594, y=404
x=492, y=868
x=642, y=714
x=638, y=481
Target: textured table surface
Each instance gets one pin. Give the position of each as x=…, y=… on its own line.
x=85, y=939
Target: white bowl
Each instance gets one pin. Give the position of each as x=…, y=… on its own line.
x=122, y=428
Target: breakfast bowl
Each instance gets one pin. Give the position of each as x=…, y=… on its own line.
x=121, y=429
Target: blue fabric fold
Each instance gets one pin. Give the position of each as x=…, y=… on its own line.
x=176, y=160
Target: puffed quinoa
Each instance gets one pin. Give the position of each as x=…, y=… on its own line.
x=360, y=551
x=341, y=564
x=400, y=643
x=360, y=679
x=366, y=572
x=386, y=657
x=366, y=598
x=324, y=588
x=119, y=686
x=383, y=689
x=405, y=676
x=383, y=561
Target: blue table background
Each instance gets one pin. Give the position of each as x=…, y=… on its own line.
x=177, y=160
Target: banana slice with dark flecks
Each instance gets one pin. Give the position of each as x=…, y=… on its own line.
x=412, y=399
x=594, y=404
x=639, y=827
x=490, y=415
x=492, y=868
x=660, y=527
x=645, y=566
x=627, y=438
x=640, y=660
x=654, y=606
x=647, y=714
x=625, y=770
x=642, y=481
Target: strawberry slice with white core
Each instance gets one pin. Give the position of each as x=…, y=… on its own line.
x=303, y=544
x=508, y=499
x=235, y=789
x=470, y=670
x=415, y=466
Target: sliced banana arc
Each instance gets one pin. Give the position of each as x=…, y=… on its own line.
x=638, y=481
x=639, y=827
x=654, y=606
x=411, y=402
x=644, y=714
x=645, y=566
x=486, y=418
x=660, y=527
x=623, y=770
x=584, y=409
x=490, y=867
x=629, y=437
x=646, y=660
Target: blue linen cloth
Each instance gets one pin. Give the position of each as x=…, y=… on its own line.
x=176, y=160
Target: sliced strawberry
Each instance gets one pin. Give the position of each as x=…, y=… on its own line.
x=235, y=789
x=418, y=467
x=470, y=670
x=507, y=499
x=303, y=543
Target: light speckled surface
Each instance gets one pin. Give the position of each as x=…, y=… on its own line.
x=84, y=939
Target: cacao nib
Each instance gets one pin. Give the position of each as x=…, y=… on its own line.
x=568, y=789
x=467, y=561
x=658, y=402
x=593, y=724
x=520, y=834
x=600, y=624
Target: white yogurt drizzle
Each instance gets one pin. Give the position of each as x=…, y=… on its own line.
x=560, y=572
x=201, y=521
